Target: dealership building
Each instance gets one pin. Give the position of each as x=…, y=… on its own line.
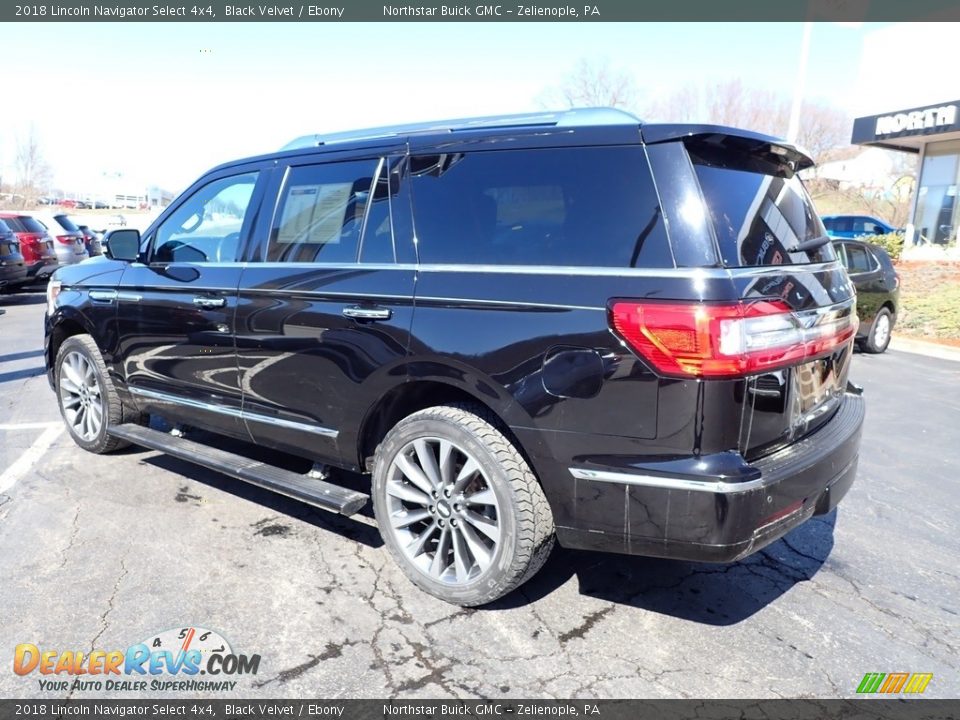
x=933, y=132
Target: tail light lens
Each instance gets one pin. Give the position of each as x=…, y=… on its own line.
x=66, y=239
x=728, y=340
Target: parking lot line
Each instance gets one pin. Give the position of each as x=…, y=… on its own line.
x=33, y=453
x=29, y=425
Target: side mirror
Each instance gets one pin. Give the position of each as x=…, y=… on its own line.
x=123, y=244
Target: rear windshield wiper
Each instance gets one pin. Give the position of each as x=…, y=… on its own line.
x=811, y=244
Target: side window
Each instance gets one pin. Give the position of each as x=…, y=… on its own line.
x=568, y=206
x=841, y=250
x=377, y=243
x=320, y=214
x=857, y=259
x=207, y=226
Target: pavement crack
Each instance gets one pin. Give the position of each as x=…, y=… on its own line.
x=332, y=650
x=106, y=613
x=73, y=538
x=586, y=625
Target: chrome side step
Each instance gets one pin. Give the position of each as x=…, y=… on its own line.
x=319, y=493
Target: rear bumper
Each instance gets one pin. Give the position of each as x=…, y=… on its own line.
x=12, y=275
x=716, y=508
x=41, y=269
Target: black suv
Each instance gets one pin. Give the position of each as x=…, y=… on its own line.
x=634, y=338
x=878, y=291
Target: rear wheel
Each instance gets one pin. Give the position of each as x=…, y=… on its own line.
x=879, y=337
x=87, y=398
x=458, y=506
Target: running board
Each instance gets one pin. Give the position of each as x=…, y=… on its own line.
x=319, y=493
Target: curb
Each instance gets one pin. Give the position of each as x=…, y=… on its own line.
x=922, y=347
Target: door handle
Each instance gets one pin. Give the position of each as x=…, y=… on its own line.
x=209, y=302
x=367, y=313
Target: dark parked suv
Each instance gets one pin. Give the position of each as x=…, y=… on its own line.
x=631, y=338
x=878, y=291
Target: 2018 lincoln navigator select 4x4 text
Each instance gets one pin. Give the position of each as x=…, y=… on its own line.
x=629, y=337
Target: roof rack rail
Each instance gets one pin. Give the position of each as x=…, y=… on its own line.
x=576, y=117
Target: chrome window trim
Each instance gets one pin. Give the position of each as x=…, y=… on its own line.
x=232, y=412
x=686, y=272
x=667, y=483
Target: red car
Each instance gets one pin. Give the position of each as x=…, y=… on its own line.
x=36, y=245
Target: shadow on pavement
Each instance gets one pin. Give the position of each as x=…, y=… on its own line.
x=24, y=298
x=721, y=594
x=21, y=355
x=21, y=374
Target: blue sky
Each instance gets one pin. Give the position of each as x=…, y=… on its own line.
x=163, y=102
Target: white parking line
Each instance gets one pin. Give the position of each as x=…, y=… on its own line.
x=33, y=453
x=29, y=425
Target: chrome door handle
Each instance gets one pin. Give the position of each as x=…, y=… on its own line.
x=367, y=313
x=208, y=302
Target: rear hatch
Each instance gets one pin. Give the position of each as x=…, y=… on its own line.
x=771, y=238
x=9, y=245
x=35, y=242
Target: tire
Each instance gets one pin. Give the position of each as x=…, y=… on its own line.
x=490, y=534
x=879, y=337
x=83, y=386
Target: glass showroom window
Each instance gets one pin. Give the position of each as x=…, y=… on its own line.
x=936, y=219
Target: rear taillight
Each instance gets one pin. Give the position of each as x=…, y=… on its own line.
x=66, y=239
x=731, y=339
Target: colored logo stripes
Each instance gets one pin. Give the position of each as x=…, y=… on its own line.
x=894, y=683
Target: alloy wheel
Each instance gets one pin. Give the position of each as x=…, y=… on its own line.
x=442, y=510
x=80, y=396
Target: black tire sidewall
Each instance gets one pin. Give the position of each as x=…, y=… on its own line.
x=499, y=575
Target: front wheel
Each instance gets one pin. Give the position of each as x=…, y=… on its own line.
x=88, y=401
x=458, y=506
x=879, y=337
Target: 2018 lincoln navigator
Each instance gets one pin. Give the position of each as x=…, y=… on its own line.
x=629, y=337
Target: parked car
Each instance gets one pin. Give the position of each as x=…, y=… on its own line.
x=854, y=226
x=91, y=239
x=878, y=291
x=70, y=246
x=13, y=268
x=518, y=326
x=36, y=245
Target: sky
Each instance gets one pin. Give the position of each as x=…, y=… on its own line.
x=163, y=102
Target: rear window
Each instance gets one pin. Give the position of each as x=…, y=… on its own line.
x=4, y=228
x=760, y=213
x=67, y=223
x=25, y=223
x=567, y=206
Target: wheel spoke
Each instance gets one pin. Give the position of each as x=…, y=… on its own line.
x=408, y=518
x=482, y=497
x=70, y=401
x=428, y=462
x=488, y=527
x=460, y=556
x=69, y=369
x=413, y=473
x=417, y=545
x=407, y=493
x=439, y=562
x=447, y=456
x=479, y=551
x=469, y=469
x=67, y=384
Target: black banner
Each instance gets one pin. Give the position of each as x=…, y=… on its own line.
x=497, y=11
x=914, y=709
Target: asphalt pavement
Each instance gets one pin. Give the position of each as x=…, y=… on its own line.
x=102, y=552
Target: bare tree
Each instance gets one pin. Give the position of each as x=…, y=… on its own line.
x=33, y=171
x=592, y=84
x=822, y=126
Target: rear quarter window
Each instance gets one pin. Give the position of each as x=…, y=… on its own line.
x=759, y=218
x=559, y=206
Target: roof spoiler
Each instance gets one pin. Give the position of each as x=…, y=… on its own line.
x=721, y=136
